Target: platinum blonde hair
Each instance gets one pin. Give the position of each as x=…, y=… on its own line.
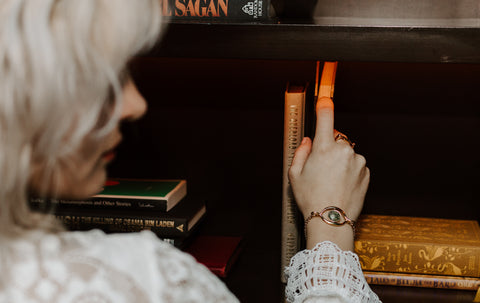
x=60, y=60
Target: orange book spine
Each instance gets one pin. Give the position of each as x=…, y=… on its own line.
x=414, y=280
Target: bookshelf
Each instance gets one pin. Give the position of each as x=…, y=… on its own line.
x=323, y=39
x=215, y=93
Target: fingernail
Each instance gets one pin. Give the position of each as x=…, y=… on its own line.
x=304, y=140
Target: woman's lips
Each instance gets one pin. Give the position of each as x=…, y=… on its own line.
x=109, y=155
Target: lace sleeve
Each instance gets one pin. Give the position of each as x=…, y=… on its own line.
x=327, y=273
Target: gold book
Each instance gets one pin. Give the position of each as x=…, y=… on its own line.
x=418, y=245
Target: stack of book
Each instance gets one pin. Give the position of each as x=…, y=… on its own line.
x=419, y=252
x=131, y=205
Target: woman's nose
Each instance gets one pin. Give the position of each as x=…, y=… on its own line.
x=134, y=105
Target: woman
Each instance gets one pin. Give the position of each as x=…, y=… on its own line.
x=64, y=90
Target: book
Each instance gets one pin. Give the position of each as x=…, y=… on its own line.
x=240, y=10
x=326, y=86
x=293, y=132
x=217, y=253
x=184, y=240
x=418, y=245
x=388, y=293
x=178, y=222
x=418, y=280
x=299, y=120
x=151, y=194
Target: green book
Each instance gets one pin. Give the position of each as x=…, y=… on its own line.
x=119, y=193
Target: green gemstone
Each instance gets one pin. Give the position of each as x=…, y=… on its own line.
x=334, y=216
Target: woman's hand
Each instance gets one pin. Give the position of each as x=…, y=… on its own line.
x=325, y=173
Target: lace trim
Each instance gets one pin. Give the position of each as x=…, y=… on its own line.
x=325, y=271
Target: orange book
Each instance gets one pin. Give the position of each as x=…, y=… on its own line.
x=419, y=245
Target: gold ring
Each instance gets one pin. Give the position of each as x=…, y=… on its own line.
x=341, y=136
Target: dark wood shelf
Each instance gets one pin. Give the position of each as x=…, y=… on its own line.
x=324, y=39
x=219, y=124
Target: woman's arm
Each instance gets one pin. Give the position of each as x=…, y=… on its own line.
x=325, y=173
x=328, y=172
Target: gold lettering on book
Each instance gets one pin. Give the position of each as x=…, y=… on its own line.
x=102, y=220
x=291, y=244
x=292, y=137
x=164, y=223
x=133, y=222
x=291, y=211
x=150, y=223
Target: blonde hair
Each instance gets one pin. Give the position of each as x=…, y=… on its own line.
x=60, y=60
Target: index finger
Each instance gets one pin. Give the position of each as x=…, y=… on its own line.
x=324, y=130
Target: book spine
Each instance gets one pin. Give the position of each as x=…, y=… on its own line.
x=414, y=280
x=419, y=258
x=293, y=133
x=103, y=203
x=162, y=227
x=247, y=10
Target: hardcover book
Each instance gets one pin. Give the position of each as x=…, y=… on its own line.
x=294, y=125
x=155, y=194
x=185, y=239
x=178, y=222
x=419, y=280
x=247, y=10
x=218, y=253
x=419, y=245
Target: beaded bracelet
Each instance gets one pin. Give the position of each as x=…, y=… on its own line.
x=334, y=217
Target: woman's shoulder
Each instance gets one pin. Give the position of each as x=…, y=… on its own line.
x=94, y=243
x=138, y=266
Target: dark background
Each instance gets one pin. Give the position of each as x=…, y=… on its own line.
x=219, y=124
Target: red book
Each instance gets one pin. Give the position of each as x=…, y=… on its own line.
x=218, y=253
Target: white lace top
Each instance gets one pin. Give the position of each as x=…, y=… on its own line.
x=327, y=274
x=92, y=267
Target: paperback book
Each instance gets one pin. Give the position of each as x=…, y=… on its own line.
x=237, y=10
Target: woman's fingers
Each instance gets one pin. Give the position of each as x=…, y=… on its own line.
x=324, y=130
x=301, y=155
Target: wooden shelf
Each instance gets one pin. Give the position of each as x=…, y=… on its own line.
x=323, y=39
